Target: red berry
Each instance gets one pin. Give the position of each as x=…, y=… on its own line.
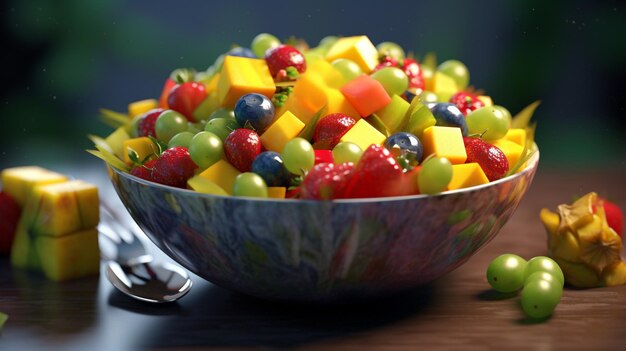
x=184, y=98
x=174, y=167
x=386, y=61
x=241, y=147
x=413, y=70
x=614, y=216
x=330, y=129
x=326, y=181
x=283, y=56
x=145, y=126
x=9, y=217
x=490, y=158
x=145, y=171
x=324, y=156
x=377, y=174
x=466, y=102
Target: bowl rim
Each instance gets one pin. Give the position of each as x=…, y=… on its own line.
x=531, y=165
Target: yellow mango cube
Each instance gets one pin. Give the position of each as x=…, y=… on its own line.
x=223, y=174
x=203, y=185
x=303, y=111
x=311, y=93
x=337, y=103
x=142, y=106
x=364, y=134
x=69, y=256
x=285, y=128
x=20, y=181
x=393, y=114
x=516, y=135
x=327, y=73
x=212, y=85
x=116, y=140
x=444, y=142
x=358, y=49
x=511, y=150
x=276, y=192
x=467, y=174
x=444, y=86
x=143, y=146
x=242, y=75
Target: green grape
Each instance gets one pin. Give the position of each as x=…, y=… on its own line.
x=347, y=152
x=298, y=155
x=196, y=128
x=388, y=48
x=504, y=111
x=168, y=124
x=393, y=79
x=506, y=273
x=435, y=175
x=457, y=71
x=328, y=41
x=205, y=148
x=249, y=184
x=540, y=297
x=262, y=42
x=348, y=68
x=489, y=122
x=221, y=127
x=544, y=264
x=428, y=96
x=222, y=113
x=312, y=56
x=133, y=127
x=181, y=139
x=545, y=276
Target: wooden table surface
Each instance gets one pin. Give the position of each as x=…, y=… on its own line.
x=456, y=312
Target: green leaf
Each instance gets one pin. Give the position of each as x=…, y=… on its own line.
x=522, y=119
x=114, y=119
x=378, y=123
x=3, y=319
x=110, y=159
x=159, y=147
x=133, y=155
x=309, y=129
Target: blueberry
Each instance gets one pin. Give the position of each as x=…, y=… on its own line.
x=406, y=145
x=255, y=110
x=269, y=166
x=241, y=52
x=449, y=115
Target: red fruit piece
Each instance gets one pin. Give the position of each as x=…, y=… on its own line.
x=386, y=61
x=490, y=158
x=413, y=70
x=184, y=98
x=466, y=102
x=145, y=126
x=174, y=167
x=377, y=174
x=169, y=84
x=326, y=181
x=614, y=216
x=145, y=171
x=330, y=129
x=283, y=56
x=324, y=156
x=9, y=217
x=241, y=147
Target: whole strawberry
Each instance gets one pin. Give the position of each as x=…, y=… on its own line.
x=9, y=217
x=413, y=70
x=490, y=158
x=145, y=125
x=466, y=102
x=330, y=129
x=241, y=147
x=174, y=167
x=185, y=97
x=283, y=56
x=326, y=181
x=614, y=216
x=144, y=171
x=386, y=61
x=377, y=174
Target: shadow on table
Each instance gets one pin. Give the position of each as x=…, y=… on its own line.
x=220, y=318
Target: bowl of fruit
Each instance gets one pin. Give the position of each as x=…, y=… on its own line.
x=331, y=173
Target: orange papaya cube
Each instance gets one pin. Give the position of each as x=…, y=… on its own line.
x=365, y=94
x=309, y=91
x=276, y=192
x=285, y=128
x=240, y=76
x=364, y=134
x=444, y=142
x=467, y=174
x=358, y=49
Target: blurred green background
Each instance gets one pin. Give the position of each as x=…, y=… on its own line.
x=63, y=60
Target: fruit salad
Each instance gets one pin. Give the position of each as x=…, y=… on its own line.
x=343, y=119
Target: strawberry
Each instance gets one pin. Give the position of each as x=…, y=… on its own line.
x=466, y=102
x=174, y=167
x=614, y=215
x=323, y=156
x=185, y=97
x=326, y=181
x=241, y=147
x=386, y=61
x=283, y=56
x=144, y=171
x=377, y=174
x=330, y=129
x=9, y=217
x=413, y=70
x=145, y=126
x=490, y=158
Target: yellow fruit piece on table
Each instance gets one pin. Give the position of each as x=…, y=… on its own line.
x=223, y=174
x=20, y=181
x=444, y=86
x=358, y=49
x=511, y=150
x=116, y=140
x=393, y=114
x=615, y=274
x=205, y=186
x=142, y=106
x=142, y=145
x=466, y=175
x=444, y=142
x=578, y=274
x=363, y=134
x=276, y=192
x=285, y=128
x=485, y=99
x=516, y=135
x=70, y=256
x=242, y=75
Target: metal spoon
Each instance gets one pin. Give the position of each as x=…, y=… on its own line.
x=132, y=270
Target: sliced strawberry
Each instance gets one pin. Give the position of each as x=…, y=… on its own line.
x=185, y=97
x=466, y=102
x=241, y=147
x=377, y=174
x=326, y=181
x=283, y=56
x=174, y=167
x=330, y=129
x=145, y=126
x=323, y=156
x=9, y=217
x=490, y=158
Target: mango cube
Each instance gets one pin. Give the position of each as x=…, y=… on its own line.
x=393, y=114
x=303, y=110
x=223, y=174
x=205, y=186
x=285, y=128
x=516, y=135
x=143, y=146
x=467, y=174
x=242, y=75
x=276, y=192
x=212, y=85
x=511, y=150
x=116, y=140
x=358, y=49
x=19, y=182
x=444, y=142
x=365, y=94
x=140, y=107
x=70, y=256
x=444, y=86
x=364, y=134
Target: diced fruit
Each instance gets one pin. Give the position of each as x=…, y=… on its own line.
x=330, y=129
x=448, y=115
x=366, y=95
x=419, y=118
x=269, y=165
x=70, y=256
x=511, y=150
x=285, y=128
x=444, y=86
x=145, y=123
x=414, y=72
x=376, y=175
x=143, y=147
x=205, y=186
x=139, y=107
x=240, y=76
x=209, y=105
x=466, y=102
x=174, y=167
x=516, y=135
x=466, y=175
x=323, y=156
x=358, y=49
x=363, y=135
x=221, y=173
x=19, y=182
x=486, y=100
x=393, y=114
x=276, y=192
x=444, y=142
x=490, y=158
x=9, y=216
x=241, y=147
x=185, y=97
x=116, y=140
x=254, y=111
x=326, y=181
x=283, y=56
